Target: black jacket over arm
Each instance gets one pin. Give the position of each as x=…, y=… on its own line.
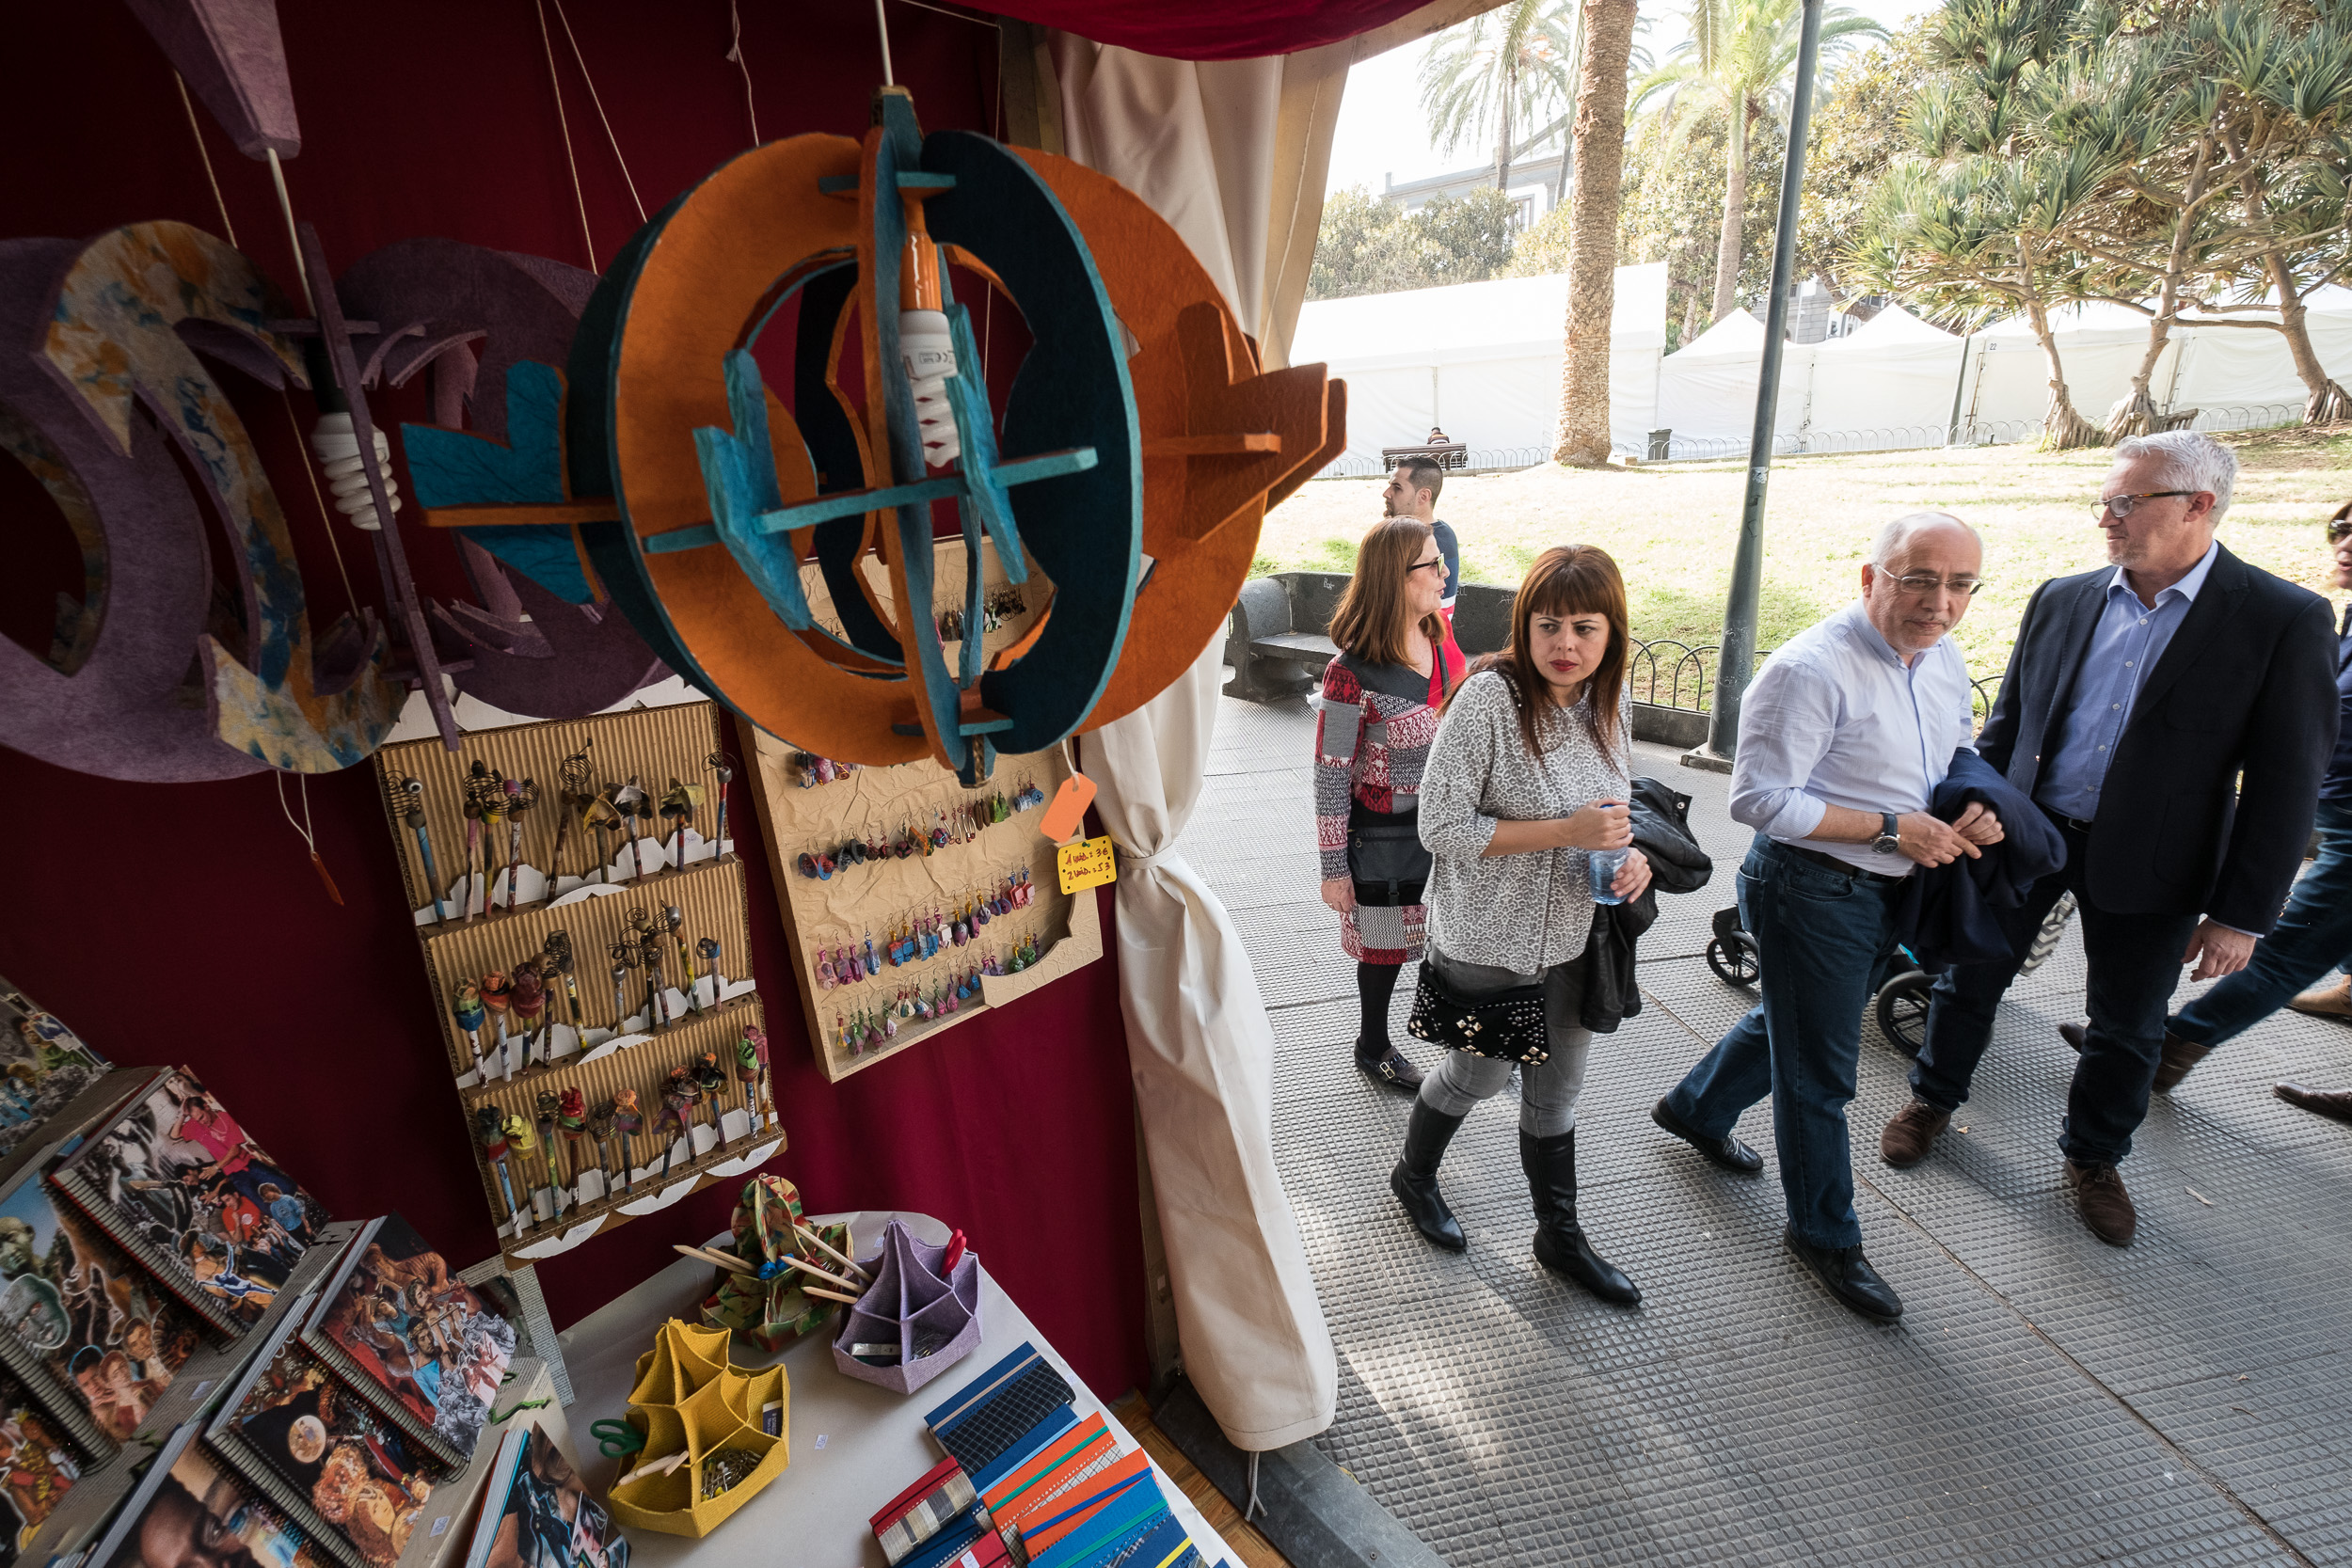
x=2246, y=685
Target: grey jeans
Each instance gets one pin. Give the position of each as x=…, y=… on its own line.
x=1549, y=1090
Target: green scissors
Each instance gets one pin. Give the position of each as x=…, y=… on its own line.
x=615, y=1438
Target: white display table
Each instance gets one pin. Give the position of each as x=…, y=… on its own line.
x=854, y=1446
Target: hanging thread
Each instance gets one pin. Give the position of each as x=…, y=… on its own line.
x=582, y=61
x=882, y=25
x=294, y=241
x=303, y=826
x=565, y=126
x=197, y=130
x=734, y=52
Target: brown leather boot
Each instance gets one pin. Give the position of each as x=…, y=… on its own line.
x=2336, y=1105
x=2107, y=1207
x=2331, y=998
x=1907, y=1137
x=2180, y=1056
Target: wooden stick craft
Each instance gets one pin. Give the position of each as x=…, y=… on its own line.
x=407, y=801
x=809, y=1235
x=490, y=1128
x=829, y=1295
x=572, y=775
x=466, y=1006
x=601, y=1126
x=626, y=1119
x=655, y=1468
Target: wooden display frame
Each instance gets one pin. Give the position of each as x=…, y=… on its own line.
x=879, y=805
x=606, y=1050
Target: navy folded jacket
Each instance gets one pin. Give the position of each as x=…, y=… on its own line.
x=1945, y=912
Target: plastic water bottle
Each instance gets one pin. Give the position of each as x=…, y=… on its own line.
x=1605, y=865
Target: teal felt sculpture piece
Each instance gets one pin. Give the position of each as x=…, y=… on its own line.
x=740, y=476
x=455, y=467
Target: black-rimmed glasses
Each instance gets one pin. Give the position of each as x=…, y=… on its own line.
x=2123, y=506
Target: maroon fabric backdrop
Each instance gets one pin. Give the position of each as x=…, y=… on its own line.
x=184, y=925
x=1209, y=29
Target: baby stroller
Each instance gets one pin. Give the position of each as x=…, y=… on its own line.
x=1900, y=1002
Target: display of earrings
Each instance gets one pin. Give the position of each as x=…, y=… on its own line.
x=1000, y=605
x=947, y=828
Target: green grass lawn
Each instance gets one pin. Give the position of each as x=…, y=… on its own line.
x=1672, y=527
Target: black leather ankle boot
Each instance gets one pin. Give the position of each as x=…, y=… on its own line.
x=1415, y=1179
x=1560, y=1242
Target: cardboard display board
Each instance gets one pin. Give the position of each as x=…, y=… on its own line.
x=884, y=806
x=602, y=1029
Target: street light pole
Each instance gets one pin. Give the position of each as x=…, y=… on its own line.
x=1735, y=662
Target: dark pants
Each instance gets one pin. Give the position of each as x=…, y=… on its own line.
x=1821, y=938
x=2314, y=936
x=2134, y=962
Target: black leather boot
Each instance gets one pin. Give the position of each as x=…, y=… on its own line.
x=1415, y=1179
x=1560, y=1242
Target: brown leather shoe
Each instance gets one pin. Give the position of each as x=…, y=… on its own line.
x=1914, y=1127
x=2335, y=1104
x=2180, y=1056
x=2331, y=998
x=2107, y=1207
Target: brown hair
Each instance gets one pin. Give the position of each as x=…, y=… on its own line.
x=1567, y=579
x=1371, y=617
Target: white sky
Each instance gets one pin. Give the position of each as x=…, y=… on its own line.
x=1380, y=131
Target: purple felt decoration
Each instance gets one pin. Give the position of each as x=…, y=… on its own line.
x=234, y=59
x=911, y=1303
x=451, y=299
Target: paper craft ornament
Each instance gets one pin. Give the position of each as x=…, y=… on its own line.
x=767, y=1305
x=689, y=1401
x=924, y=1303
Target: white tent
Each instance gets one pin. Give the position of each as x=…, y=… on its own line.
x=1479, y=360
x=1888, y=384
x=1707, y=387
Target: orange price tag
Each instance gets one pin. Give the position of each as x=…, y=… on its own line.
x=1088, y=863
x=1067, y=817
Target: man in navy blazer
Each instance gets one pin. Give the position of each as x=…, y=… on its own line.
x=2172, y=714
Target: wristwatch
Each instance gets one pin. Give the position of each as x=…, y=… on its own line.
x=1888, y=841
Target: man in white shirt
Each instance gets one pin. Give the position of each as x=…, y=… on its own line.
x=1843, y=739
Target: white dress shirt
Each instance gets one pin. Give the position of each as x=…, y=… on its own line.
x=1837, y=718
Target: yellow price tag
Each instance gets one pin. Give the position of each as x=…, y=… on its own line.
x=1088, y=863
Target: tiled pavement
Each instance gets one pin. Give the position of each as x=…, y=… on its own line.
x=2046, y=1400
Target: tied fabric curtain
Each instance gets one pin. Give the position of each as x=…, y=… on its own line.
x=1202, y=1052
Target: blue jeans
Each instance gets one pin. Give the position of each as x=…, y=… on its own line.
x=2134, y=960
x=1821, y=938
x=2314, y=936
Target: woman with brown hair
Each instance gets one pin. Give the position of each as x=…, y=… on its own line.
x=1380, y=702
x=1529, y=772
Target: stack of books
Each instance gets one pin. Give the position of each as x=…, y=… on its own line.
x=1026, y=1485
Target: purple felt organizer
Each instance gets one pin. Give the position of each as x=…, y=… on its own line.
x=909, y=1303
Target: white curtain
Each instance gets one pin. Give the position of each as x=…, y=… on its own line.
x=1214, y=148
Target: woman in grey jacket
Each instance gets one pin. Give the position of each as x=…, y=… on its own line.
x=1530, y=772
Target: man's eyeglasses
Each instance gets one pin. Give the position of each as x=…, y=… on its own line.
x=1425, y=566
x=1928, y=582
x=2123, y=506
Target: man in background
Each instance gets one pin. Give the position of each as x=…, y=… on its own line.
x=1412, y=492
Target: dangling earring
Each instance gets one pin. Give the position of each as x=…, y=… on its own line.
x=826, y=977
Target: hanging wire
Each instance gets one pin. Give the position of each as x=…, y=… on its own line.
x=734, y=52
x=563, y=125
x=197, y=130
x=582, y=61
x=285, y=206
x=309, y=839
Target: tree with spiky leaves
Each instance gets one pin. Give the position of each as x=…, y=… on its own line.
x=1741, y=56
x=1504, y=70
x=1986, y=215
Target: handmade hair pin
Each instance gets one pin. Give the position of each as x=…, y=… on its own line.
x=678, y=809
x=673, y=921
x=598, y=814
x=498, y=994
x=624, y=956
x=489, y=1126
x=643, y=810
x=722, y=769
x=530, y=1001
x=624, y=800
x=656, y=980
x=521, y=795
x=707, y=950
x=559, y=1183
x=672, y=1124
x=406, y=795
x=572, y=778
x=466, y=1006
x=571, y=1120
x=600, y=1127
x=627, y=1121
x=751, y=1055
x=484, y=793
x=711, y=1079
x=525, y=1142
x=559, y=948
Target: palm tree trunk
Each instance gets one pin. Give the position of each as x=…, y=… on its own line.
x=2062, y=428
x=1600, y=142
x=1735, y=211
x=1503, y=118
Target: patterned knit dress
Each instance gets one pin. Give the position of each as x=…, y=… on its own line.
x=1371, y=741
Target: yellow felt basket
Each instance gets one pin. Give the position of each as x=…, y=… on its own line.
x=689, y=1398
